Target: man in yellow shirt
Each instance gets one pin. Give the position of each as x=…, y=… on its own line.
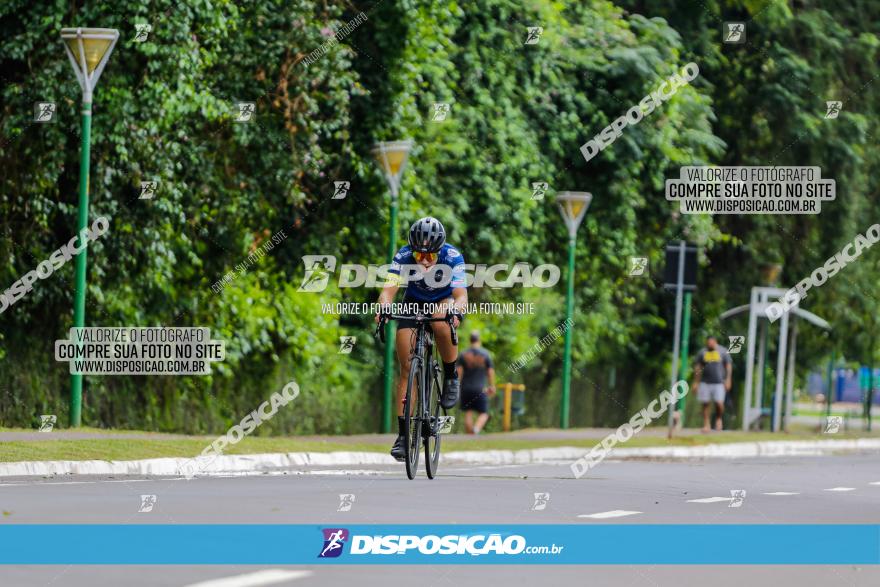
x=713, y=376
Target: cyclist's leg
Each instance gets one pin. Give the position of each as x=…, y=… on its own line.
x=449, y=355
x=404, y=345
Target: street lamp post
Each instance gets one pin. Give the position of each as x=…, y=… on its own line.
x=391, y=157
x=88, y=50
x=573, y=206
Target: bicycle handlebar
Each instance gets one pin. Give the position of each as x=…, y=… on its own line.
x=385, y=318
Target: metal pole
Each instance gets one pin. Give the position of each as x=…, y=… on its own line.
x=673, y=377
x=79, y=299
x=566, y=357
x=762, y=367
x=870, y=399
x=789, y=384
x=685, y=336
x=780, y=373
x=390, y=327
x=508, y=393
x=750, y=361
x=870, y=395
x=830, y=384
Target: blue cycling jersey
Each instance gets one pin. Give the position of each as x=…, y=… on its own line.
x=434, y=284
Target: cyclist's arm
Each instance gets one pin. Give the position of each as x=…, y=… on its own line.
x=386, y=296
x=392, y=279
x=460, y=299
x=459, y=302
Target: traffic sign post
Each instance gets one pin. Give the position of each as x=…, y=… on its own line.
x=685, y=348
x=681, y=262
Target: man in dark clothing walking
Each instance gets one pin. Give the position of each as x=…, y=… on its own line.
x=474, y=366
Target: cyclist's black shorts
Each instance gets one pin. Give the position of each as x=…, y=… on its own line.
x=419, y=308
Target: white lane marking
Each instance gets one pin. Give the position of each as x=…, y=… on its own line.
x=783, y=493
x=841, y=489
x=709, y=499
x=266, y=577
x=340, y=472
x=45, y=482
x=220, y=475
x=611, y=514
x=874, y=483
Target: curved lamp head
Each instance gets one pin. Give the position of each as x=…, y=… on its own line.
x=392, y=157
x=573, y=206
x=88, y=50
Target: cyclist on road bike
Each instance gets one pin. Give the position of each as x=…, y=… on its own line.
x=444, y=288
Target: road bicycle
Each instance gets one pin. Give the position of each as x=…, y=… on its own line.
x=424, y=418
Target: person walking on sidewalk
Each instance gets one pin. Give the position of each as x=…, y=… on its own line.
x=713, y=375
x=474, y=366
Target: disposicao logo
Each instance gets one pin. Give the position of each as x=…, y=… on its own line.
x=476, y=545
x=334, y=540
x=396, y=545
x=320, y=267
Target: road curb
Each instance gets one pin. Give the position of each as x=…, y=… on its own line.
x=734, y=450
x=267, y=462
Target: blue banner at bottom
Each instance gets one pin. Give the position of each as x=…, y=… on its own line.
x=630, y=544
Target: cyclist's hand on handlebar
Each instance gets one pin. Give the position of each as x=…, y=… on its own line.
x=383, y=313
x=382, y=318
x=455, y=317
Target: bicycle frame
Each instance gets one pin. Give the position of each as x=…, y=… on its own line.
x=423, y=363
x=422, y=352
x=422, y=356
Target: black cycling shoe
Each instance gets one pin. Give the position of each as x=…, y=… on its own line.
x=449, y=397
x=398, y=451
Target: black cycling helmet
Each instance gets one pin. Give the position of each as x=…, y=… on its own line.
x=427, y=235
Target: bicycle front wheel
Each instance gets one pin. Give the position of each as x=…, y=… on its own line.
x=412, y=409
x=432, y=440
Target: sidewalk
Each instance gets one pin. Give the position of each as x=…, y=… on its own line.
x=129, y=446
x=564, y=455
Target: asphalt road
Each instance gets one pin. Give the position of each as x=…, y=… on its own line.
x=839, y=489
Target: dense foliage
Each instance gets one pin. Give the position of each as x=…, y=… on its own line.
x=164, y=110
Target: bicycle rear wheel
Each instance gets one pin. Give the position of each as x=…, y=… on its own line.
x=412, y=411
x=432, y=439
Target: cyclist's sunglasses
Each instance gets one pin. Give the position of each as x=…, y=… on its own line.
x=431, y=257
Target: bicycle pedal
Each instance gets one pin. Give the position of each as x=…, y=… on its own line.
x=446, y=424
